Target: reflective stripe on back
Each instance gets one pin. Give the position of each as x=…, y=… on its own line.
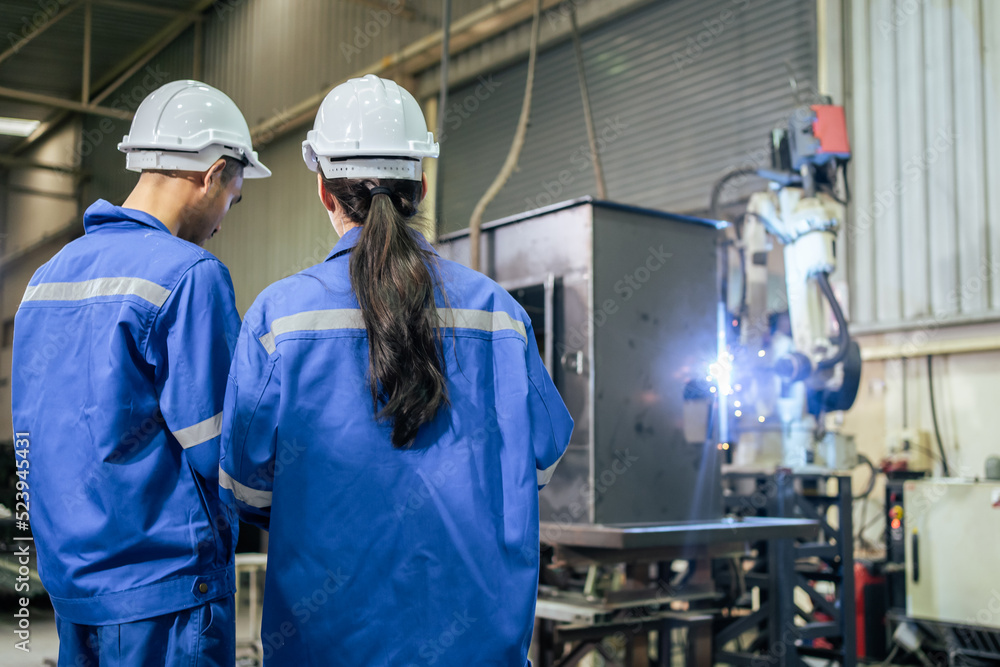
x=313, y=320
x=351, y=318
x=88, y=289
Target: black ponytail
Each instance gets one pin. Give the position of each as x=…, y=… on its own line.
x=393, y=280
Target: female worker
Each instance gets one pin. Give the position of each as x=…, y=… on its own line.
x=390, y=422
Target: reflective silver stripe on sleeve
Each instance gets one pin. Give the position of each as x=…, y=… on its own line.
x=483, y=320
x=252, y=497
x=200, y=432
x=545, y=475
x=88, y=289
x=326, y=320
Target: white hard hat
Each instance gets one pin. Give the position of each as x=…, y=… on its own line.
x=189, y=125
x=369, y=128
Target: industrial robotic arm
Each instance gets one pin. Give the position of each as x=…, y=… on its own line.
x=818, y=365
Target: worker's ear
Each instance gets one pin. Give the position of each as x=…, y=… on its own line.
x=212, y=176
x=329, y=201
x=423, y=180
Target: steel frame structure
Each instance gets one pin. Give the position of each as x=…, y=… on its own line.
x=785, y=632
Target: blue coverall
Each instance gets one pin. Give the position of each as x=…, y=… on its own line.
x=380, y=556
x=122, y=345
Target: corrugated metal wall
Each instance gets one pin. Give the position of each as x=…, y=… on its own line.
x=269, y=55
x=924, y=239
x=681, y=91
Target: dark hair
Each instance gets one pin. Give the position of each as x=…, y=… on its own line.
x=393, y=279
x=234, y=167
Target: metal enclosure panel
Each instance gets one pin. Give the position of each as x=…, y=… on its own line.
x=957, y=528
x=655, y=330
x=628, y=461
x=525, y=253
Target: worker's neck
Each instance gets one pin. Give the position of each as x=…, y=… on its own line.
x=163, y=197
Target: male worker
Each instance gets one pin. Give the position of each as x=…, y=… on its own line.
x=122, y=347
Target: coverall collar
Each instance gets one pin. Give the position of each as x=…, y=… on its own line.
x=350, y=239
x=103, y=212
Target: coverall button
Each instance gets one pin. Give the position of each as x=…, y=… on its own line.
x=203, y=588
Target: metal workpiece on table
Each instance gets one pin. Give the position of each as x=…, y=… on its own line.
x=623, y=303
x=644, y=536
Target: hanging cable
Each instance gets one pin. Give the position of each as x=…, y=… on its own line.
x=476, y=222
x=713, y=203
x=843, y=336
x=602, y=188
x=871, y=478
x=934, y=417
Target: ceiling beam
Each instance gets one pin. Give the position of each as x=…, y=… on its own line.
x=153, y=46
x=62, y=103
x=8, y=162
x=55, y=18
x=88, y=35
x=140, y=8
x=166, y=38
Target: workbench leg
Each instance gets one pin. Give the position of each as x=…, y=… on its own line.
x=544, y=631
x=699, y=653
x=664, y=645
x=640, y=648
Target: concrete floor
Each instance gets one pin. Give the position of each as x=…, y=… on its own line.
x=43, y=648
